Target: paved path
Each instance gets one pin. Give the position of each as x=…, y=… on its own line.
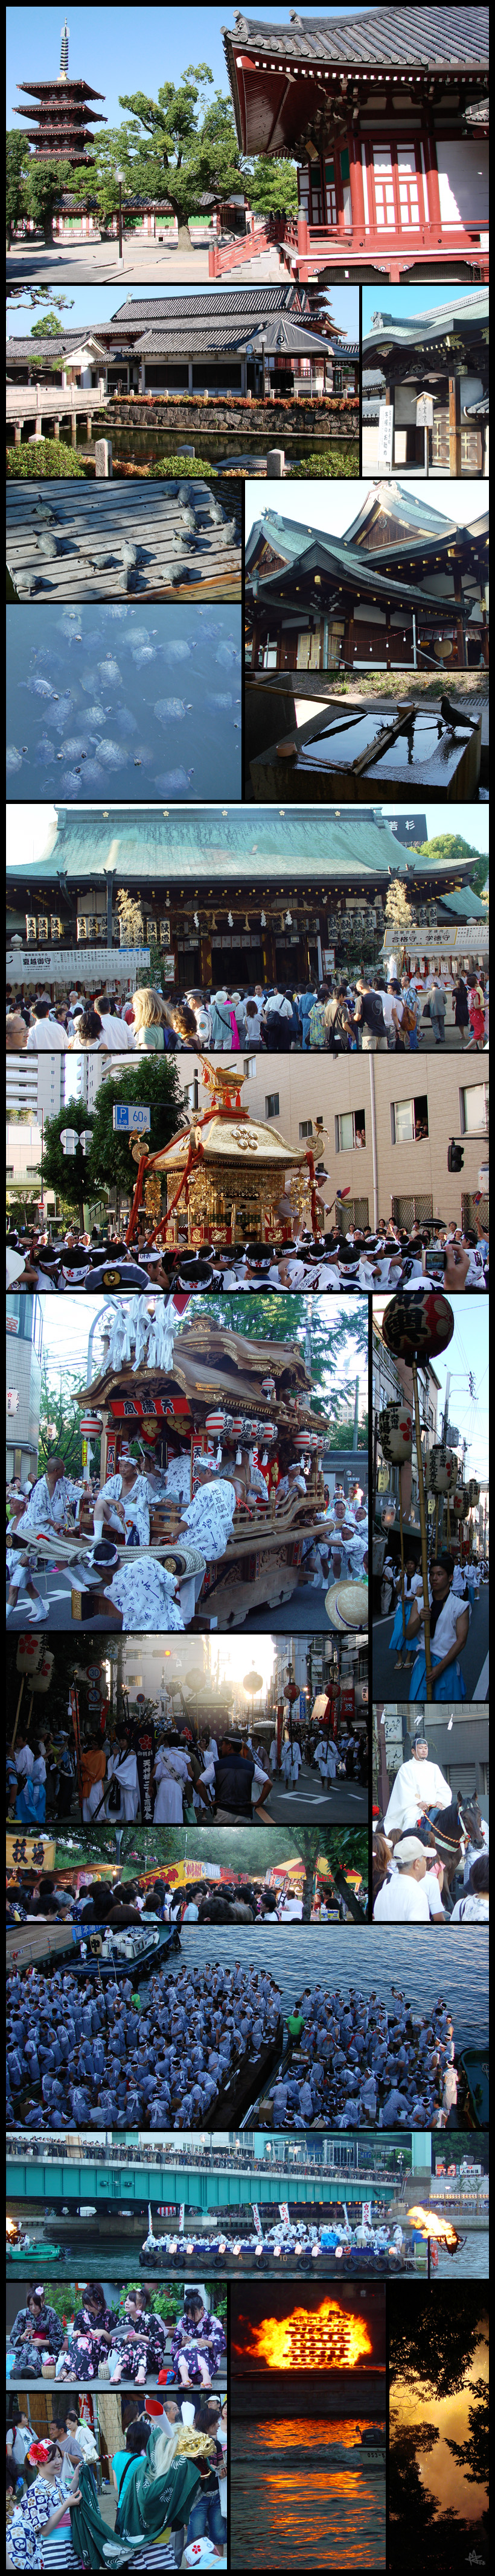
x=318, y=1801
x=146, y=263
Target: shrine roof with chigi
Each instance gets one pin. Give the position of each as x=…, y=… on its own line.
x=313, y=551
x=200, y=852
x=431, y=54
x=464, y=317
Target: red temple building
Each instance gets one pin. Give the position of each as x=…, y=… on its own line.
x=64, y=120
x=386, y=115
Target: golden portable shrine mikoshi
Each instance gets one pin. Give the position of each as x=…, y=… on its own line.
x=225, y=1175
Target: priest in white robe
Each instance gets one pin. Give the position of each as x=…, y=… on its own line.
x=419, y=1785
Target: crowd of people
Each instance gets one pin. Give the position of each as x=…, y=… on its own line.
x=360, y=2064
x=104, y=2058
x=129, y=2340
x=381, y=1007
x=334, y=2246
x=361, y=1258
x=115, y=1527
x=168, y=2483
x=129, y=1902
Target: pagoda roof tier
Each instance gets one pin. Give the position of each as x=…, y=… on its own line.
x=200, y=852
x=361, y=65
x=65, y=88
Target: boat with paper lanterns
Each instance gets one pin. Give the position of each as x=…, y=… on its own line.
x=242, y=1404
x=229, y=1178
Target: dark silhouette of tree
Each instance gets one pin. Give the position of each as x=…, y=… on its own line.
x=437, y=2355
x=473, y=2455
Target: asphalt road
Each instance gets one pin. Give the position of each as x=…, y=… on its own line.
x=318, y=1802
x=387, y=1683
x=305, y=1610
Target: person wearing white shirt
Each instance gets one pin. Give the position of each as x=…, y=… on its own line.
x=118, y=1036
x=403, y=1898
x=46, y=1035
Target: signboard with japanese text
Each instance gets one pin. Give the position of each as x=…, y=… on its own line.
x=29, y=963
x=424, y=411
x=385, y=434
x=29, y=1851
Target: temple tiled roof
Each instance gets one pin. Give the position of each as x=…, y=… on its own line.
x=208, y=848
x=375, y=37
x=404, y=329
x=314, y=547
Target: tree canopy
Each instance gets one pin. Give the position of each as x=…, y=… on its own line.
x=68, y=1174
x=271, y=187
x=451, y=846
x=174, y=150
x=44, y=184
x=474, y=2455
x=438, y=2362
x=149, y=1084
x=60, y=1418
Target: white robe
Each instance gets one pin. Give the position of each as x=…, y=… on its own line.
x=171, y=1768
x=418, y=1785
x=123, y=1767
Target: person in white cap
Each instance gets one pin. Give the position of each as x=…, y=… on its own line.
x=403, y=1899
x=419, y=1785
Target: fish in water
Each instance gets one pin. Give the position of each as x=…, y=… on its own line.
x=13, y=759
x=38, y=687
x=174, y=782
x=170, y=710
x=109, y=672
x=125, y=723
x=112, y=754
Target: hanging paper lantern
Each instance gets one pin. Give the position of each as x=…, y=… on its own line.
x=473, y=1491
x=418, y=1327
x=235, y=1425
x=29, y=1651
x=395, y=1430
x=440, y=1470
x=460, y=1502
x=301, y=1442
x=215, y=1422
x=40, y=1680
x=269, y=1431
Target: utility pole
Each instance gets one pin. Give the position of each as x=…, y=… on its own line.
x=355, y=1435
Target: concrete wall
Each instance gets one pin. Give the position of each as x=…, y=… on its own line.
x=312, y=1086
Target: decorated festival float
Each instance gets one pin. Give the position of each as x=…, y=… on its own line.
x=203, y=1400
x=229, y=1178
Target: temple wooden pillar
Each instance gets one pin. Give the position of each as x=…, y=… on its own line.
x=269, y=957
x=454, y=424
x=205, y=957
x=461, y=647
x=388, y=647
x=432, y=188
x=357, y=190
x=349, y=639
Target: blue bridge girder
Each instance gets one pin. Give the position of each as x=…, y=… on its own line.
x=73, y=2180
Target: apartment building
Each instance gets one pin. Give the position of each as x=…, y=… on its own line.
x=23, y=1388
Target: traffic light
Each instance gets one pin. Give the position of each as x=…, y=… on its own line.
x=455, y=1157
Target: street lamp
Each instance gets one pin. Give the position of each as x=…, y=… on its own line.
x=120, y=174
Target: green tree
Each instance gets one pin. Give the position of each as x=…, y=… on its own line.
x=450, y=846
x=45, y=183
x=287, y=1318
x=439, y=2363
x=30, y=296
x=16, y=206
x=474, y=2455
x=271, y=187
x=60, y=1418
x=192, y=149
x=67, y=1173
x=48, y=327
x=153, y=1085
x=112, y=153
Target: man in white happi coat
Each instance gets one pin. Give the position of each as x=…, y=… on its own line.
x=419, y=1785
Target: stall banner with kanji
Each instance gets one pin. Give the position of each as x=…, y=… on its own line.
x=27, y=1851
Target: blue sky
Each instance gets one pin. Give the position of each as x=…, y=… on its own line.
x=124, y=49
x=93, y=304
x=405, y=301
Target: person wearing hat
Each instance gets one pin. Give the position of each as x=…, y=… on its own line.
x=419, y=1785
x=449, y=1627
x=403, y=1897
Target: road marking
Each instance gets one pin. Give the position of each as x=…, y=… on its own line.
x=482, y=1684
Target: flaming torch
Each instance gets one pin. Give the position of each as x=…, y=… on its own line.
x=435, y=2231
x=324, y=2338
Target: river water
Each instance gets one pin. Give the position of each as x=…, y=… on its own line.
x=83, y=694
x=369, y=1956
x=302, y=2517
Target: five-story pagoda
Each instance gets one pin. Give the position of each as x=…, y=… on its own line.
x=64, y=120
